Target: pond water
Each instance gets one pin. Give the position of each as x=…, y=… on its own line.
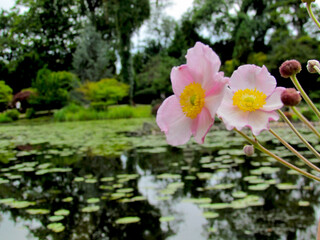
x=119, y=180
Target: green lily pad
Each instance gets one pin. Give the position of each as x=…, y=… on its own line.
x=93, y=200
x=56, y=218
x=210, y=215
x=286, y=186
x=62, y=212
x=93, y=208
x=127, y=220
x=166, y=219
x=56, y=227
x=37, y=211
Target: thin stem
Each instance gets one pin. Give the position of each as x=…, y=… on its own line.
x=287, y=145
x=304, y=95
x=317, y=69
x=308, y=145
x=284, y=162
x=306, y=121
x=312, y=15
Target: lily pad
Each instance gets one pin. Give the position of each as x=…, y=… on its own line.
x=62, y=212
x=56, y=218
x=89, y=209
x=167, y=219
x=37, y=211
x=127, y=220
x=210, y=215
x=56, y=227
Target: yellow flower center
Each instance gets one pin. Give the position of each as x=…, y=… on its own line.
x=192, y=100
x=249, y=99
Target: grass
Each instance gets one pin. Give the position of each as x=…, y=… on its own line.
x=74, y=112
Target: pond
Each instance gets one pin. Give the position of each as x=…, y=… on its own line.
x=120, y=180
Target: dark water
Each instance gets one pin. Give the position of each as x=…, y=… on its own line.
x=173, y=193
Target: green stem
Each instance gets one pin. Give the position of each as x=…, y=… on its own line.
x=287, y=145
x=312, y=15
x=308, y=145
x=306, y=121
x=317, y=69
x=304, y=95
x=257, y=145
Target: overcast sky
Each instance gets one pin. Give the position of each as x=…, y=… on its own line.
x=176, y=10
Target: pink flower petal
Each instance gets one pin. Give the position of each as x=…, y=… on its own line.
x=251, y=77
x=180, y=78
x=215, y=96
x=259, y=120
x=202, y=125
x=273, y=102
x=203, y=63
x=172, y=121
x=232, y=116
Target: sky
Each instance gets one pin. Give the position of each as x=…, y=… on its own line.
x=176, y=10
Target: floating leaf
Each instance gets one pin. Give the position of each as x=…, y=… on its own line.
x=89, y=209
x=37, y=211
x=210, y=215
x=62, y=212
x=93, y=200
x=259, y=187
x=286, y=186
x=166, y=219
x=127, y=220
x=67, y=199
x=56, y=227
x=55, y=218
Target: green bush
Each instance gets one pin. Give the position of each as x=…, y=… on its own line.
x=99, y=106
x=13, y=114
x=52, y=89
x=5, y=95
x=74, y=112
x=106, y=90
x=30, y=113
x=4, y=118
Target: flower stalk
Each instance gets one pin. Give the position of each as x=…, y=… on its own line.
x=313, y=17
x=258, y=146
x=305, y=121
x=308, y=145
x=293, y=150
x=304, y=95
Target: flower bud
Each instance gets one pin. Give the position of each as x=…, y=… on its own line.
x=248, y=150
x=290, y=97
x=311, y=64
x=289, y=68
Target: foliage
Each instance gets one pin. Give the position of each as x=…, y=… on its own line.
x=13, y=114
x=106, y=90
x=91, y=58
x=52, y=89
x=5, y=95
x=154, y=78
x=30, y=113
x=74, y=112
x=128, y=16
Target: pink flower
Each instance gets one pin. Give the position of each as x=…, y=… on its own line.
x=198, y=91
x=251, y=99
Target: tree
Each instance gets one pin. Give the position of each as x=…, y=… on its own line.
x=91, y=58
x=127, y=16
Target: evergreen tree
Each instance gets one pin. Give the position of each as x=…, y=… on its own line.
x=91, y=58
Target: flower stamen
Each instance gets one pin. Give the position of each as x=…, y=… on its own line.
x=192, y=100
x=249, y=99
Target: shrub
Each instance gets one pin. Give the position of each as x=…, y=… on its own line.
x=5, y=95
x=99, y=106
x=30, y=113
x=13, y=114
x=74, y=112
x=52, y=89
x=106, y=90
x=4, y=118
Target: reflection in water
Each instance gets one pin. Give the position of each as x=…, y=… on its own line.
x=177, y=193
